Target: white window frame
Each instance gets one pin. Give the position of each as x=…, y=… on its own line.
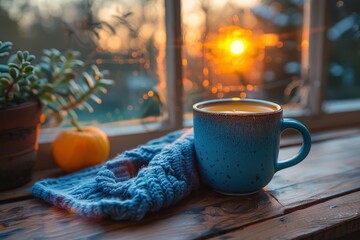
x=129, y=134
x=321, y=114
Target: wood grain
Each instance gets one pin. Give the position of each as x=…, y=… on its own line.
x=294, y=139
x=325, y=159
x=330, y=172
x=317, y=190
x=204, y=213
x=341, y=214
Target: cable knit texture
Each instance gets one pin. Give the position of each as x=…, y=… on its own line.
x=145, y=179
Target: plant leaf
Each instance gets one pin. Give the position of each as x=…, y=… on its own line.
x=75, y=87
x=77, y=63
x=53, y=107
x=30, y=58
x=4, y=68
x=5, y=45
x=13, y=65
x=29, y=69
x=88, y=107
x=20, y=56
x=5, y=81
x=61, y=100
x=14, y=73
x=105, y=82
x=102, y=89
x=95, y=99
x=88, y=80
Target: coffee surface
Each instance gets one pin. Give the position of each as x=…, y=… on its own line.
x=238, y=107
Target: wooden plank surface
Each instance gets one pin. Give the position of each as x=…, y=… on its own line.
x=324, y=159
x=288, y=140
x=331, y=171
x=202, y=214
x=317, y=190
x=341, y=214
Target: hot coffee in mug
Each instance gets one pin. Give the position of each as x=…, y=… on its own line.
x=238, y=107
x=237, y=143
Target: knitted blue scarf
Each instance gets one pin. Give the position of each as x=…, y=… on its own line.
x=145, y=179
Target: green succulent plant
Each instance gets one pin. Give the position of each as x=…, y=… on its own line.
x=58, y=82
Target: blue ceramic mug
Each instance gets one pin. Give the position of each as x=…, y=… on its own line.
x=237, y=143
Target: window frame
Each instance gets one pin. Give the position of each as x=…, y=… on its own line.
x=314, y=74
x=124, y=137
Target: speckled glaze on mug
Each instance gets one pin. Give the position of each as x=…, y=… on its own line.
x=237, y=153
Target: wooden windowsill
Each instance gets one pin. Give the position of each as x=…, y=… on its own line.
x=318, y=198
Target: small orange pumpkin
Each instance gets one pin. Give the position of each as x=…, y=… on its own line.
x=74, y=150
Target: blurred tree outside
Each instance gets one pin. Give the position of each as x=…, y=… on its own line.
x=125, y=37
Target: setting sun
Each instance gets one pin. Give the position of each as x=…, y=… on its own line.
x=237, y=47
x=232, y=49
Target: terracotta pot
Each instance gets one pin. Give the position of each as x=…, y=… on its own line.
x=19, y=131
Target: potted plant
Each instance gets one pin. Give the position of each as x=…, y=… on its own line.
x=30, y=94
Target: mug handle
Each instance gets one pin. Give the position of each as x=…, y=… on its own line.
x=305, y=148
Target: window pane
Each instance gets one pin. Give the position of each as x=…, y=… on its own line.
x=343, y=38
x=125, y=37
x=238, y=48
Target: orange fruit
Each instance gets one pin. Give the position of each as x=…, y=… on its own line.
x=74, y=150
